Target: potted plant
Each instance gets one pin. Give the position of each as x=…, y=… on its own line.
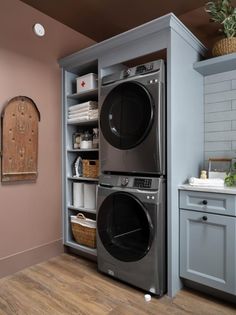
x=230, y=179
x=223, y=12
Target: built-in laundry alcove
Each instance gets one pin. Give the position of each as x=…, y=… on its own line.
x=168, y=39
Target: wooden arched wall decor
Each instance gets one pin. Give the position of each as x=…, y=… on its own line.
x=19, y=142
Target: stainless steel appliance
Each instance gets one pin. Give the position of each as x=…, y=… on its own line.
x=131, y=230
x=132, y=120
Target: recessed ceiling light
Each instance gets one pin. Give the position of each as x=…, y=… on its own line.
x=39, y=30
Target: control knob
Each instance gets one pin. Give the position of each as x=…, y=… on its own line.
x=124, y=181
x=127, y=72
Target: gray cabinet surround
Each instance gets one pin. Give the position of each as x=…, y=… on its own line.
x=208, y=240
x=184, y=106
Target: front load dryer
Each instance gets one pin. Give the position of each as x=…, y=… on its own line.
x=131, y=231
x=132, y=120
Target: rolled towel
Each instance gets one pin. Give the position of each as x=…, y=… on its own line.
x=210, y=182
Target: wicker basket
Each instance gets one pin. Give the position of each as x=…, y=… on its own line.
x=224, y=46
x=90, y=168
x=84, y=230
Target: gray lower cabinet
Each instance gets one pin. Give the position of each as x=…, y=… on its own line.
x=208, y=249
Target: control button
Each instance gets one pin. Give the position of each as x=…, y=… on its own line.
x=153, y=197
x=148, y=197
x=124, y=181
x=156, y=80
x=127, y=72
x=151, y=81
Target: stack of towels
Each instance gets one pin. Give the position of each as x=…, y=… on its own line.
x=210, y=182
x=82, y=112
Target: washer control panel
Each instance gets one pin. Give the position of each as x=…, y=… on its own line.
x=133, y=183
x=142, y=183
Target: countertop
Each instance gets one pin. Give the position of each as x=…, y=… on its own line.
x=222, y=190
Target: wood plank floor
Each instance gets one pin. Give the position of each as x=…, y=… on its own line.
x=71, y=285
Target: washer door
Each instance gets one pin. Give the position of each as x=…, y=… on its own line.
x=124, y=227
x=126, y=115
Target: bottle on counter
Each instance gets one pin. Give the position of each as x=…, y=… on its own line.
x=203, y=174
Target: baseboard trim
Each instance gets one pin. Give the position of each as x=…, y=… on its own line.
x=32, y=256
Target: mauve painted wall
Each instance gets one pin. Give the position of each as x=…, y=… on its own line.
x=30, y=214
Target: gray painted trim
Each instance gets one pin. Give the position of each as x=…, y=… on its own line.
x=188, y=36
x=164, y=22
x=216, y=65
x=63, y=172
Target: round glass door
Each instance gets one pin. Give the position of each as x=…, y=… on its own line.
x=126, y=115
x=124, y=227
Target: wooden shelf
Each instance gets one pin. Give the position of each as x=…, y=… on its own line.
x=84, y=95
x=216, y=65
x=82, y=209
x=90, y=179
x=85, y=249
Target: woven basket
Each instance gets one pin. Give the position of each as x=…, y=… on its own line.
x=84, y=230
x=90, y=168
x=224, y=46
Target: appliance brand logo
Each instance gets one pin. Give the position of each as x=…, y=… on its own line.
x=82, y=84
x=110, y=272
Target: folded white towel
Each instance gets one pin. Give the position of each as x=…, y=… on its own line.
x=78, y=119
x=75, y=112
x=210, y=182
x=89, y=105
x=84, y=112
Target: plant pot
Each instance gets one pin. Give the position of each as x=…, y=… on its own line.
x=224, y=46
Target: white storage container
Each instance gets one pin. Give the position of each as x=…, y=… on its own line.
x=78, y=195
x=87, y=82
x=90, y=196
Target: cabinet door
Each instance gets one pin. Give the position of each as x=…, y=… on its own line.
x=208, y=249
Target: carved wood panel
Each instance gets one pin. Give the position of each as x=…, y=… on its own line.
x=20, y=119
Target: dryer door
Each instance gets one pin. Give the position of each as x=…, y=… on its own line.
x=124, y=227
x=126, y=115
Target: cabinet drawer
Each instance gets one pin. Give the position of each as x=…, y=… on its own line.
x=208, y=202
x=208, y=249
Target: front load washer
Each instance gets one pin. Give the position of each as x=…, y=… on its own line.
x=131, y=231
x=132, y=120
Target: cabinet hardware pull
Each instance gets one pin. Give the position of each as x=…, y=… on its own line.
x=204, y=218
x=204, y=202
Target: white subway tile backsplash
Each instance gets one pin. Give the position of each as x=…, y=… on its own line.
x=220, y=136
x=234, y=84
x=220, y=96
x=217, y=87
x=233, y=123
x=220, y=116
x=233, y=104
x=218, y=126
x=218, y=146
x=218, y=107
x=234, y=145
x=224, y=76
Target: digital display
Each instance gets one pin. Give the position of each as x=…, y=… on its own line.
x=142, y=183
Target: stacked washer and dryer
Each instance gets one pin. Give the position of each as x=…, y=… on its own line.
x=131, y=219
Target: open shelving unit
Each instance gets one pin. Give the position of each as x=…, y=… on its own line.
x=70, y=98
